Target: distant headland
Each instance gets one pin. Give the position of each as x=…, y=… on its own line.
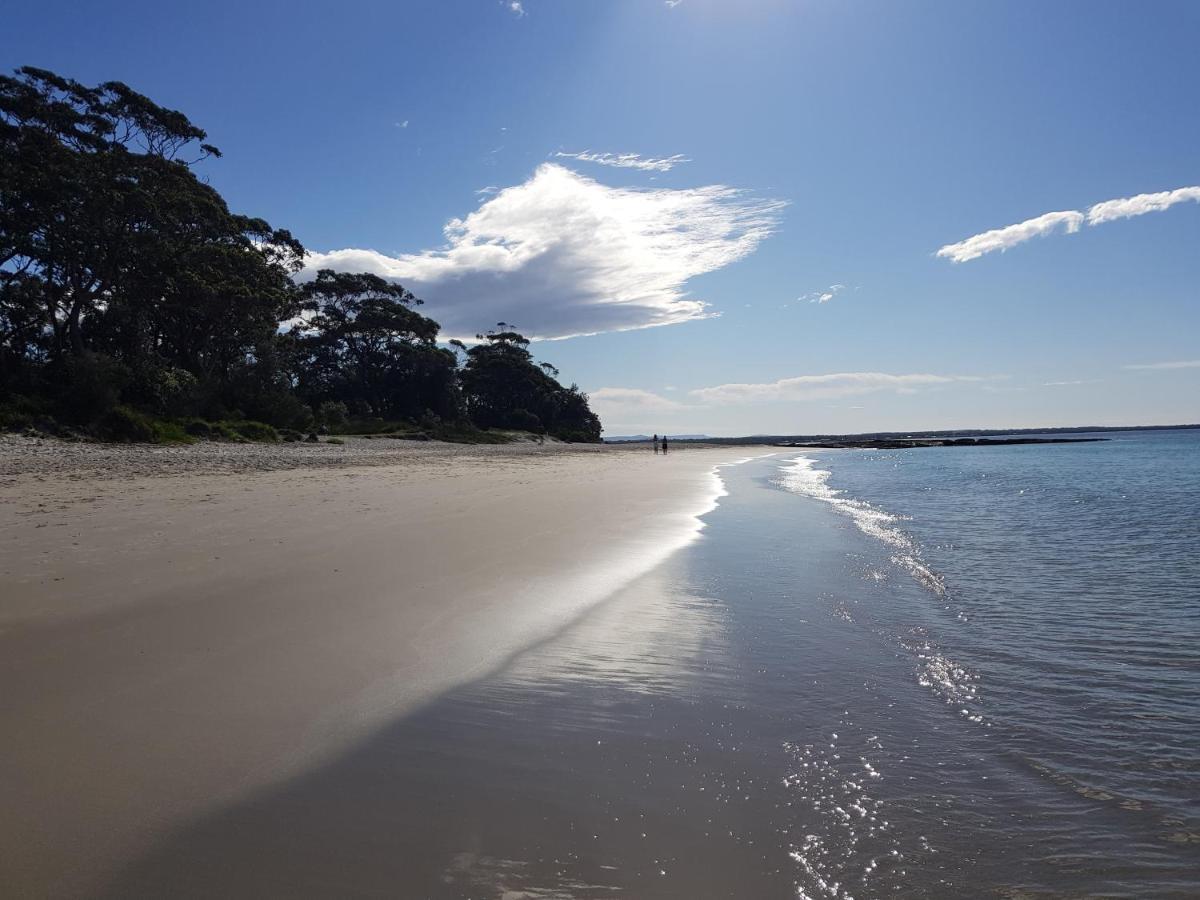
x=901, y=440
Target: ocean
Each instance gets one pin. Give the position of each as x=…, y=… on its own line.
x=946, y=672
x=1047, y=599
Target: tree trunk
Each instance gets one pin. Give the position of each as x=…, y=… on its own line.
x=73, y=327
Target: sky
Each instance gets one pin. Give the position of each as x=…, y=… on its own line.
x=761, y=216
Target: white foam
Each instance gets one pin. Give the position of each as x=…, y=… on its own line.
x=801, y=476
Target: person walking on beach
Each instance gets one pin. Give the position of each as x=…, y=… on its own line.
x=664, y=445
x=654, y=443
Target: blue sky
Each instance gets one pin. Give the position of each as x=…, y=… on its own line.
x=783, y=147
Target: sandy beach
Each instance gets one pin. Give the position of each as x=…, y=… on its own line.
x=181, y=628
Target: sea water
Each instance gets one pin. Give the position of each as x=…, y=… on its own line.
x=1057, y=616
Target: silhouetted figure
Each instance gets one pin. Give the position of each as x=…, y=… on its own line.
x=664, y=444
x=654, y=443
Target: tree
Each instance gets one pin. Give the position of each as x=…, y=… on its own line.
x=362, y=344
x=99, y=202
x=504, y=388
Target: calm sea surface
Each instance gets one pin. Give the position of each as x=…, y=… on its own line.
x=960, y=672
x=1058, y=618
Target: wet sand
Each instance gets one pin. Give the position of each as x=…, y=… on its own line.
x=174, y=644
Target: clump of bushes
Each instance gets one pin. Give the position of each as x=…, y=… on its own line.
x=128, y=426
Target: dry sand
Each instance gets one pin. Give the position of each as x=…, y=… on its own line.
x=180, y=628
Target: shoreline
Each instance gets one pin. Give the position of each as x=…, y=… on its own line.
x=176, y=642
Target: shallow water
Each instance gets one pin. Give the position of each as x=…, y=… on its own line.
x=925, y=673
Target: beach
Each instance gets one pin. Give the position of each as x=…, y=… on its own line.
x=182, y=628
x=549, y=671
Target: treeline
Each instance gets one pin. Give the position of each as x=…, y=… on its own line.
x=135, y=305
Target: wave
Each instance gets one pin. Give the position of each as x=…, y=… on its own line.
x=801, y=476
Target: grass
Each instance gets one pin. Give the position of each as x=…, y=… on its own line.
x=237, y=431
x=451, y=432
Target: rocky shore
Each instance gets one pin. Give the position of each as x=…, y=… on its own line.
x=908, y=443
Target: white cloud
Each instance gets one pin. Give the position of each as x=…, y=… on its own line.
x=632, y=410
x=1070, y=220
x=672, y=3
x=1180, y=364
x=627, y=160
x=823, y=296
x=403, y=124
x=1066, y=383
x=619, y=401
x=515, y=7
x=1003, y=238
x=823, y=387
x=563, y=255
x=1140, y=204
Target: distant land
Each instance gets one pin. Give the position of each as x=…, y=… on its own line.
x=902, y=439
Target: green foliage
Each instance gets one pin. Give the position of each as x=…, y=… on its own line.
x=504, y=388
x=364, y=346
x=93, y=384
x=19, y=412
x=332, y=414
x=124, y=425
x=258, y=432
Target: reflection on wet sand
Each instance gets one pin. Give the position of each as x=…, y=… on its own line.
x=594, y=764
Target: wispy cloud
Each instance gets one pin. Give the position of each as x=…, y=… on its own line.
x=1139, y=205
x=672, y=3
x=824, y=387
x=622, y=401
x=627, y=160
x=1068, y=383
x=403, y=124
x=1069, y=221
x=515, y=7
x=1178, y=364
x=1003, y=238
x=822, y=296
x=636, y=409
x=563, y=255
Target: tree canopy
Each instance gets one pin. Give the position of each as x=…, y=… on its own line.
x=126, y=279
x=504, y=388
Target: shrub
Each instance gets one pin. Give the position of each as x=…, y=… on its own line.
x=524, y=420
x=332, y=414
x=126, y=426
x=198, y=428
x=253, y=431
x=238, y=431
x=166, y=389
x=129, y=426
x=18, y=412
x=94, y=385
x=166, y=432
